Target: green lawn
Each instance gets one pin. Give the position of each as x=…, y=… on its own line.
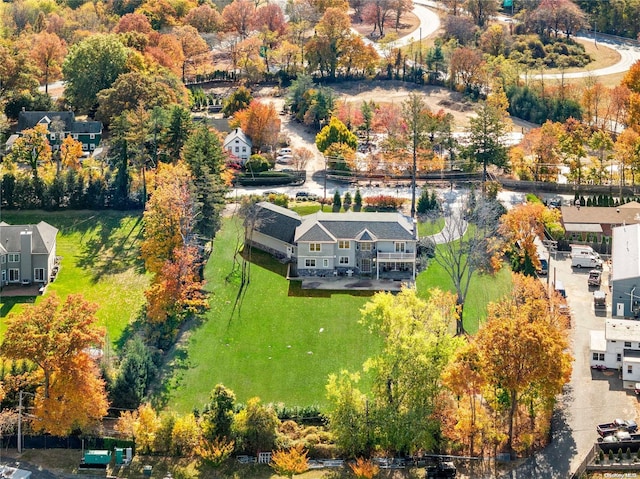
x=100, y=259
x=280, y=343
x=277, y=342
x=430, y=227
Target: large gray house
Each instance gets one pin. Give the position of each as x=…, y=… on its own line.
x=27, y=253
x=378, y=245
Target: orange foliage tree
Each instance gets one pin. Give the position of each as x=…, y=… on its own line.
x=364, y=468
x=260, y=122
x=56, y=337
x=48, y=52
x=290, y=462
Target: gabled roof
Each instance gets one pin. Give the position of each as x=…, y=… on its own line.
x=43, y=237
x=236, y=134
x=629, y=213
x=29, y=119
x=357, y=226
x=625, y=252
x=274, y=221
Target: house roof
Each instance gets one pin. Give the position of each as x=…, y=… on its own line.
x=29, y=119
x=598, y=341
x=352, y=226
x=625, y=252
x=236, y=134
x=275, y=221
x=576, y=219
x=43, y=237
x=622, y=330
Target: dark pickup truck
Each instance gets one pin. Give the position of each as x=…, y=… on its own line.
x=611, y=428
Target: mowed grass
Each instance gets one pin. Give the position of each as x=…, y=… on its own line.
x=100, y=259
x=272, y=340
x=277, y=342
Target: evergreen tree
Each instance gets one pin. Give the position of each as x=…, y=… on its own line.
x=337, y=201
x=357, y=201
x=137, y=371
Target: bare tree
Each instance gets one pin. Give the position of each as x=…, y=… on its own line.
x=466, y=243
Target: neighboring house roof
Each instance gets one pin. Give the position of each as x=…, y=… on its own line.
x=622, y=330
x=236, y=134
x=322, y=226
x=43, y=237
x=625, y=249
x=589, y=218
x=29, y=119
x=275, y=221
x=598, y=341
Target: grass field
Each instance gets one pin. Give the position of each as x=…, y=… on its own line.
x=278, y=342
x=100, y=259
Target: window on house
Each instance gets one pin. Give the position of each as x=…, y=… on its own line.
x=92, y=136
x=601, y=357
x=365, y=265
x=92, y=146
x=75, y=136
x=38, y=274
x=4, y=276
x=325, y=263
x=85, y=147
x=400, y=247
x=629, y=369
x=618, y=357
x=244, y=149
x=310, y=263
x=237, y=149
x=627, y=344
x=342, y=244
x=314, y=247
x=598, y=356
x=3, y=258
x=344, y=260
x=365, y=246
x=14, y=257
x=595, y=356
x=52, y=136
x=14, y=275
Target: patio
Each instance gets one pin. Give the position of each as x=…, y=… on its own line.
x=341, y=283
x=19, y=290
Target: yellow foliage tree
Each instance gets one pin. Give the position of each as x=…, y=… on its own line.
x=364, y=468
x=290, y=462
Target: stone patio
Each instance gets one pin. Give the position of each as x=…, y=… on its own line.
x=354, y=283
x=14, y=290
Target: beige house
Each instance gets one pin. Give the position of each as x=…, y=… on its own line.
x=592, y=223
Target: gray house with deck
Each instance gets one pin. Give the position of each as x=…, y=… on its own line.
x=376, y=245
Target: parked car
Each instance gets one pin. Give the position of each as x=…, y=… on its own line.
x=611, y=428
x=305, y=195
x=599, y=300
x=595, y=278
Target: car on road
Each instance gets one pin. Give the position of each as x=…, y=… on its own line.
x=305, y=196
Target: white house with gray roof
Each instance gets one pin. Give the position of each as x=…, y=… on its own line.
x=618, y=347
x=238, y=144
x=27, y=253
x=625, y=271
x=376, y=245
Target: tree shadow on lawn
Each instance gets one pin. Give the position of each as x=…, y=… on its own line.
x=7, y=303
x=109, y=253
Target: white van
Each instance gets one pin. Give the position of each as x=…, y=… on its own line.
x=284, y=151
x=584, y=250
x=585, y=260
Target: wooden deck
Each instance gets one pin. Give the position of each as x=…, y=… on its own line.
x=15, y=290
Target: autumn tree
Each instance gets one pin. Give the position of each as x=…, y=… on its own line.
x=364, y=468
x=572, y=144
x=48, y=51
x=204, y=18
x=524, y=351
x=290, y=462
x=133, y=22
x=32, y=149
x=240, y=99
x=260, y=122
x=520, y=227
x=332, y=29
x=70, y=153
x=238, y=16
x=255, y=427
x=543, y=146
x=197, y=53
x=418, y=343
x=335, y=132
x=481, y=10
x=217, y=414
x=56, y=337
